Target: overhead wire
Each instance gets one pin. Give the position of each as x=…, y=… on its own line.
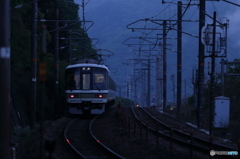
x=163, y=9
x=190, y=18
x=215, y=8
x=158, y=15
x=188, y=5
x=141, y=44
x=169, y=28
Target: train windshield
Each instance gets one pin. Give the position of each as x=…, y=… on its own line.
x=72, y=78
x=86, y=81
x=100, y=79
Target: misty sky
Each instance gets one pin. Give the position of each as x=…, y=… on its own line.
x=227, y=10
x=154, y=8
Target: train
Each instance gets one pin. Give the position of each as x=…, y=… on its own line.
x=90, y=87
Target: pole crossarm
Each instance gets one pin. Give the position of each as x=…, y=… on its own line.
x=140, y=28
x=60, y=20
x=155, y=21
x=141, y=38
x=22, y=5
x=82, y=47
x=82, y=40
x=60, y=28
x=145, y=51
x=77, y=21
x=223, y=24
x=141, y=61
x=231, y=3
x=171, y=28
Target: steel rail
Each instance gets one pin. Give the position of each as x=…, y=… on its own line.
x=66, y=141
x=100, y=143
x=204, y=149
x=95, y=139
x=215, y=145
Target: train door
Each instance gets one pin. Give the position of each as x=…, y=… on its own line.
x=86, y=76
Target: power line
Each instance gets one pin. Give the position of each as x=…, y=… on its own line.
x=162, y=10
x=215, y=9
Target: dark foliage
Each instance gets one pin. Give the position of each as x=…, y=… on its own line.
x=231, y=90
x=21, y=49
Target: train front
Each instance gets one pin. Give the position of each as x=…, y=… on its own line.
x=86, y=88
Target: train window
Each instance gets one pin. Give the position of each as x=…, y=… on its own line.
x=72, y=80
x=86, y=81
x=99, y=79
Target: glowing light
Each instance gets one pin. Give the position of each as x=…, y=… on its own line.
x=100, y=96
x=72, y=96
x=68, y=141
x=98, y=140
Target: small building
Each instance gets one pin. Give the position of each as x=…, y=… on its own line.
x=222, y=112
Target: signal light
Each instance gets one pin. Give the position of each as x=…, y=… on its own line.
x=42, y=74
x=72, y=96
x=68, y=141
x=100, y=96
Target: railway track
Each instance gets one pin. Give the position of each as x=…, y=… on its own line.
x=179, y=138
x=79, y=137
x=83, y=135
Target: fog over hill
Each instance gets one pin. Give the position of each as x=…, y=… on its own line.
x=111, y=17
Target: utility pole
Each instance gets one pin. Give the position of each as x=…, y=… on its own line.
x=5, y=79
x=135, y=83
x=56, y=63
x=212, y=105
x=42, y=76
x=159, y=78
x=34, y=64
x=148, y=84
x=83, y=7
x=127, y=90
x=164, y=65
x=143, y=88
x=195, y=85
x=200, y=65
x=173, y=81
x=222, y=77
x=70, y=46
x=179, y=58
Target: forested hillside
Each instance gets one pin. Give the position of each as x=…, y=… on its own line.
x=21, y=49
